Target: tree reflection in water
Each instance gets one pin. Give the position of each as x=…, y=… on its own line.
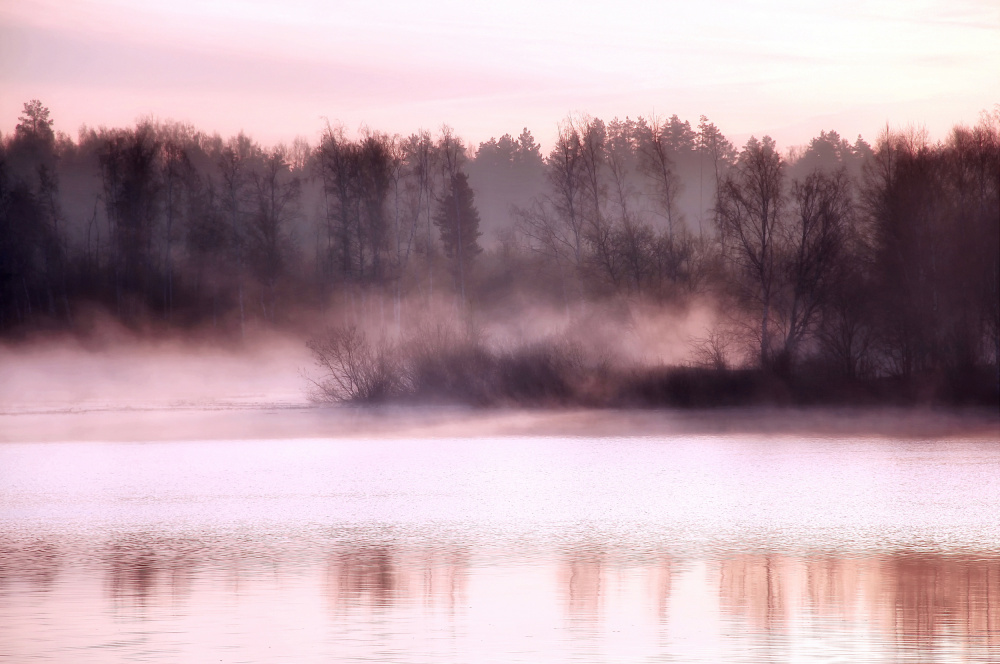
x=941, y=604
x=378, y=576
x=915, y=599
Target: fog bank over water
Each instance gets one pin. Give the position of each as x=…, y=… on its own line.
x=167, y=390
x=113, y=368
x=121, y=372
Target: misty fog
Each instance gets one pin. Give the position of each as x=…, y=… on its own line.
x=635, y=262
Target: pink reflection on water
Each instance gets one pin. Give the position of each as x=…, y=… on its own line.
x=171, y=598
x=697, y=546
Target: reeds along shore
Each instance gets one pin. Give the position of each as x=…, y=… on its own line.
x=838, y=270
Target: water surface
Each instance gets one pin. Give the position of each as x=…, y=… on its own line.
x=824, y=543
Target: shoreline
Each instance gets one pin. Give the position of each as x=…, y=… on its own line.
x=279, y=421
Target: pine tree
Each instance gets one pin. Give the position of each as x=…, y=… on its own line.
x=458, y=222
x=35, y=123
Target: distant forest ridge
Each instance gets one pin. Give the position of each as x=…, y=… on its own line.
x=863, y=259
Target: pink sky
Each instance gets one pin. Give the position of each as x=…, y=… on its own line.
x=276, y=70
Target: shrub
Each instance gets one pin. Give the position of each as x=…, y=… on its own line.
x=353, y=368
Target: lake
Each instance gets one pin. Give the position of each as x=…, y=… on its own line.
x=276, y=533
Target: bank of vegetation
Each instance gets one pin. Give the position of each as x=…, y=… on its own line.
x=837, y=271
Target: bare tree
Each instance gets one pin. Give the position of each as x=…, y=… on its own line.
x=716, y=148
x=812, y=244
x=177, y=176
x=276, y=197
x=555, y=224
x=421, y=161
x=749, y=208
x=845, y=331
x=374, y=185
x=658, y=166
x=132, y=188
x=234, y=162
x=599, y=231
x=406, y=205
x=632, y=240
x=338, y=161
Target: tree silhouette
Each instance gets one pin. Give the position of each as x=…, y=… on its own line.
x=749, y=207
x=275, y=203
x=35, y=122
x=132, y=198
x=555, y=224
x=813, y=243
x=657, y=163
x=458, y=222
x=858, y=261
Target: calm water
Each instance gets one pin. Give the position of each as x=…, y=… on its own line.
x=660, y=547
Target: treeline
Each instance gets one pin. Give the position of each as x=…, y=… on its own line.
x=848, y=259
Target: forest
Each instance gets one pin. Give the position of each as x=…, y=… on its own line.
x=420, y=267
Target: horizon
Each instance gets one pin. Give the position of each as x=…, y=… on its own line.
x=781, y=70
